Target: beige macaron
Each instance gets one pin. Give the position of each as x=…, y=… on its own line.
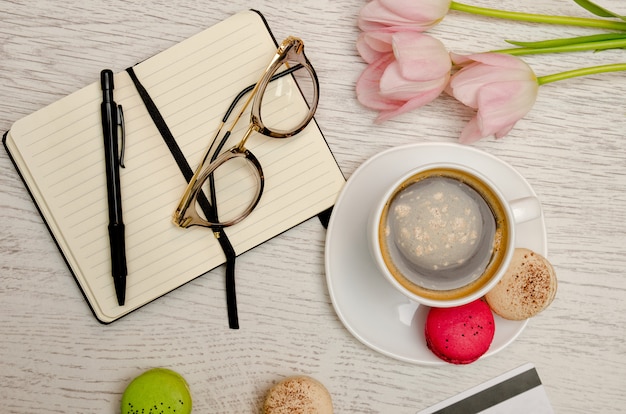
x=298, y=395
x=527, y=288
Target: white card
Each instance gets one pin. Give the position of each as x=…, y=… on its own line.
x=518, y=391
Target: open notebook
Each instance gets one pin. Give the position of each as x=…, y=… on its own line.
x=59, y=153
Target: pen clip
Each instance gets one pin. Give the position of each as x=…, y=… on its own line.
x=120, y=121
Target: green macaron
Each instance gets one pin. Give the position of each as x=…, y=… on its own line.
x=158, y=390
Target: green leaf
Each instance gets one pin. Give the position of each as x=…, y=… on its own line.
x=597, y=10
x=568, y=41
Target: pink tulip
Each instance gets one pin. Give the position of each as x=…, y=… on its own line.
x=373, y=44
x=416, y=14
x=502, y=88
x=404, y=75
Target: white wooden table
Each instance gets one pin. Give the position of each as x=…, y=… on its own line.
x=55, y=357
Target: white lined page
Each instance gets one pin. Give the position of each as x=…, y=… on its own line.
x=59, y=151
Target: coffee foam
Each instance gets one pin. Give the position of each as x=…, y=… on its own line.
x=436, y=223
x=453, y=269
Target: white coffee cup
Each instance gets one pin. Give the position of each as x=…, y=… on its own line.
x=443, y=234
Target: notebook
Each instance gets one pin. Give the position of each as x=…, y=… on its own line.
x=59, y=153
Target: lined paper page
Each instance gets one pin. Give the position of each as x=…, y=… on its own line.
x=60, y=152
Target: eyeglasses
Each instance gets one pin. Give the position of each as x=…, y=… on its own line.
x=290, y=54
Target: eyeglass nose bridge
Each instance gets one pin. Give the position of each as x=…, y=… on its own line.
x=186, y=215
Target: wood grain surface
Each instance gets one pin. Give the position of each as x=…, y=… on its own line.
x=56, y=358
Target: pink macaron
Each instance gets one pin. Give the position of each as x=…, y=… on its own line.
x=461, y=334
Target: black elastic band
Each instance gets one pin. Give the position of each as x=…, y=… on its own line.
x=207, y=208
x=324, y=217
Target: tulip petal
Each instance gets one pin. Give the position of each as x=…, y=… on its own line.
x=373, y=44
x=417, y=15
x=376, y=16
x=419, y=11
x=501, y=105
x=421, y=57
x=393, y=85
x=501, y=60
x=502, y=88
x=471, y=133
x=409, y=105
x=368, y=86
x=504, y=131
x=467, y=82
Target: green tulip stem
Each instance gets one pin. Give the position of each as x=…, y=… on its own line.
x=616, y=67
x=573, y=47
x=539, y=18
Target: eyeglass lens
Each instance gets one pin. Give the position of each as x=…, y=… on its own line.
x=282, y=108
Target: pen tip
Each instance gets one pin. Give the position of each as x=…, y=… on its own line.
x=120, y=290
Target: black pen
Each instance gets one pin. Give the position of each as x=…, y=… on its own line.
x=112, y=120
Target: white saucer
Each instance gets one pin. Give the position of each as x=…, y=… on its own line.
x=370, y=308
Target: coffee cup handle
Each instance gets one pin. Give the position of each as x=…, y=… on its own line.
x=525, y=209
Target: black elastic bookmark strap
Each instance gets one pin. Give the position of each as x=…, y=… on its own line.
x=229, y=251
x=324, y=217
